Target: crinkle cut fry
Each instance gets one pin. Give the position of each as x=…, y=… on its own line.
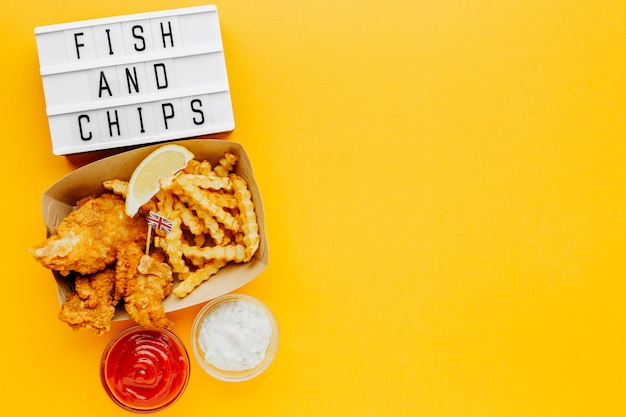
x=211, y=225
x=226, y=164
x=192, y=167
x=189, y=218
x=249, y=224
x=209, y=181
x=198, y=167
x=226, y=253
x=119, y=187
x=171, y=244
x=223, y=199
x=197, y=277
x=202, y=200
x=172, y=241
x=165, y=202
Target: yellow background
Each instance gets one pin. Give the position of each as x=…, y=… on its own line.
x=444, y=190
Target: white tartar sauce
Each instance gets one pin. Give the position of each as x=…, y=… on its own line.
x=235, y=335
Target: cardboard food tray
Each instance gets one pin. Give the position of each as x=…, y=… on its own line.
x=60, y=199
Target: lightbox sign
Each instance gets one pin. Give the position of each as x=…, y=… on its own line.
x=134, y=79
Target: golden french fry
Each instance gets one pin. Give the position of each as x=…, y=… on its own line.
x=228, y=253
x=208, y=182
x=188, y=217
x=171, y=244
x=211, y=227
x=119, y=187
x=192, y=167
x=200, y=240
x=223, y=199
x=226, y=164
x=198, y=277
x=201, y=199
x=249, y=224
x=204, y=168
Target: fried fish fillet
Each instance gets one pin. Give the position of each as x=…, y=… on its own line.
x=91, y=306
x=145, y=291
x=128, y=259
x=88, y=239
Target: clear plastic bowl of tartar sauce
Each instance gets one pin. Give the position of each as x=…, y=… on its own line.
x=234, y=337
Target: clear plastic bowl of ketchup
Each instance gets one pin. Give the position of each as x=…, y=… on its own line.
x=144, y=370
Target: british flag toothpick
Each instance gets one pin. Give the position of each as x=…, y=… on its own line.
x=160, y=222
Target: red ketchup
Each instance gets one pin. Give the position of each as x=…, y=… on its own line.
x=145, y=370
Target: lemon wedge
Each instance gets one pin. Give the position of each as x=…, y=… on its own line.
x=144, y=182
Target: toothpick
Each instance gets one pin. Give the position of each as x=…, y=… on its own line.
x=148, y=240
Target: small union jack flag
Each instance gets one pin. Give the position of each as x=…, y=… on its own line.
x=160, y=222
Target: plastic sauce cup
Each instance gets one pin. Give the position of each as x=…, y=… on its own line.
x=234, y=337
x=144, y=370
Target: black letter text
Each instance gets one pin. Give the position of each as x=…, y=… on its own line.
x=139, y=29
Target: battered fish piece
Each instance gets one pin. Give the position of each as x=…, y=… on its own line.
x=128, y=258
x=88, y=239
x=144, y=292
x=92, y=305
